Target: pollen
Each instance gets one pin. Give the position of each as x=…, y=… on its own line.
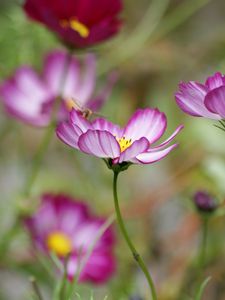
x=70, y=104
x=59, y=243
x=77, y=26
x=124, y=143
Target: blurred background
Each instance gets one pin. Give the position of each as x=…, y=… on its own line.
x=162, y=43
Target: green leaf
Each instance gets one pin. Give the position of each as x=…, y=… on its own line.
x=202, y=289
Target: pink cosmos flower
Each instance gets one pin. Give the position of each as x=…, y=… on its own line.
x=80, y=23
x=133, y=143
x=203, y=100
x=65, y=226
x=31, y=97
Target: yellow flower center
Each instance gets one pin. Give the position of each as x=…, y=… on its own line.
x=59, y=243
x=124, y=143
x=77, y=26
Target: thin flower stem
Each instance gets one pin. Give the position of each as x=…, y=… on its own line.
x=36, y=165
x=136, y=255
x=38, y=160
x=203, y=246
x=83, y=262
x=36, y=288
x=8, y=236
x=49, y=131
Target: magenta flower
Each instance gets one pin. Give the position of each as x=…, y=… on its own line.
x=31, y=98
x=203, y=100
x=65, y=226
x=133, y=144
x=80, y=23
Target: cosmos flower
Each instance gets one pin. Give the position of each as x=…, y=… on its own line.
x=133, y=143
x=65, y=226
x=32, y=98
x=203, y=100
x=80, y=23
x=205, y=202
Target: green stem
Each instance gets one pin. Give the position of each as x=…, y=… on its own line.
x=8, y=237
x=38, y=160
x=36, y=289
x=136, y=255
x=49, y=131
x=203, y=247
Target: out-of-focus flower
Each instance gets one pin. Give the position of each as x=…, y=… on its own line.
x=65, y=226
x=203, y=100
x=79, y=23
x=132, y=143
x=205, y=202
x=32, y=98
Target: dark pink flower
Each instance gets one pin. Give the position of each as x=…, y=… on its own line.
x=133, y=143
x=31, y=97
x=203, y=100
x=64, y=225
x=80, y=23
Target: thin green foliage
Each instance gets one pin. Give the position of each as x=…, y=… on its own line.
x=201, y=290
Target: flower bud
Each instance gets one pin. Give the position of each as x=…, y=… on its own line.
x=204, y=202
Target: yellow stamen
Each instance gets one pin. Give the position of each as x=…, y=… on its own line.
x=59, y=243
x=80, y=28
x=77, y=26
x=124, y=143
x=70, y=104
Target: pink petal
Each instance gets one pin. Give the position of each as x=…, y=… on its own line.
x=104, y=125
x=77, y=119
x=61, y=72
x=151, y=157
x=86, y=235
x=139, y=146
x=190, y=99
x=99, y=143
x=66, y=133
x=167, y=141
x=28, y=82
x=148, y=123
x=25, y=95
x=215, y=81
x=88, y=82
x=99, y=268
x=215, y=101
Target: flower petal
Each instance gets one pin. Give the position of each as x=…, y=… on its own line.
x=149, y=123
x=151, y=157
x=104, y=125
x=61, y=72
x=88, y=82
x=66, y=133
x=99, y=143
x=99, y=268
x=25, y=95
x=167, y=141
x=190, y=99
x=138, y=146
x=78, y=120
x=215, y=81
x=215, y=101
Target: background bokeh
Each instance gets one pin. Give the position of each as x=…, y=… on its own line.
x=162, y=43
